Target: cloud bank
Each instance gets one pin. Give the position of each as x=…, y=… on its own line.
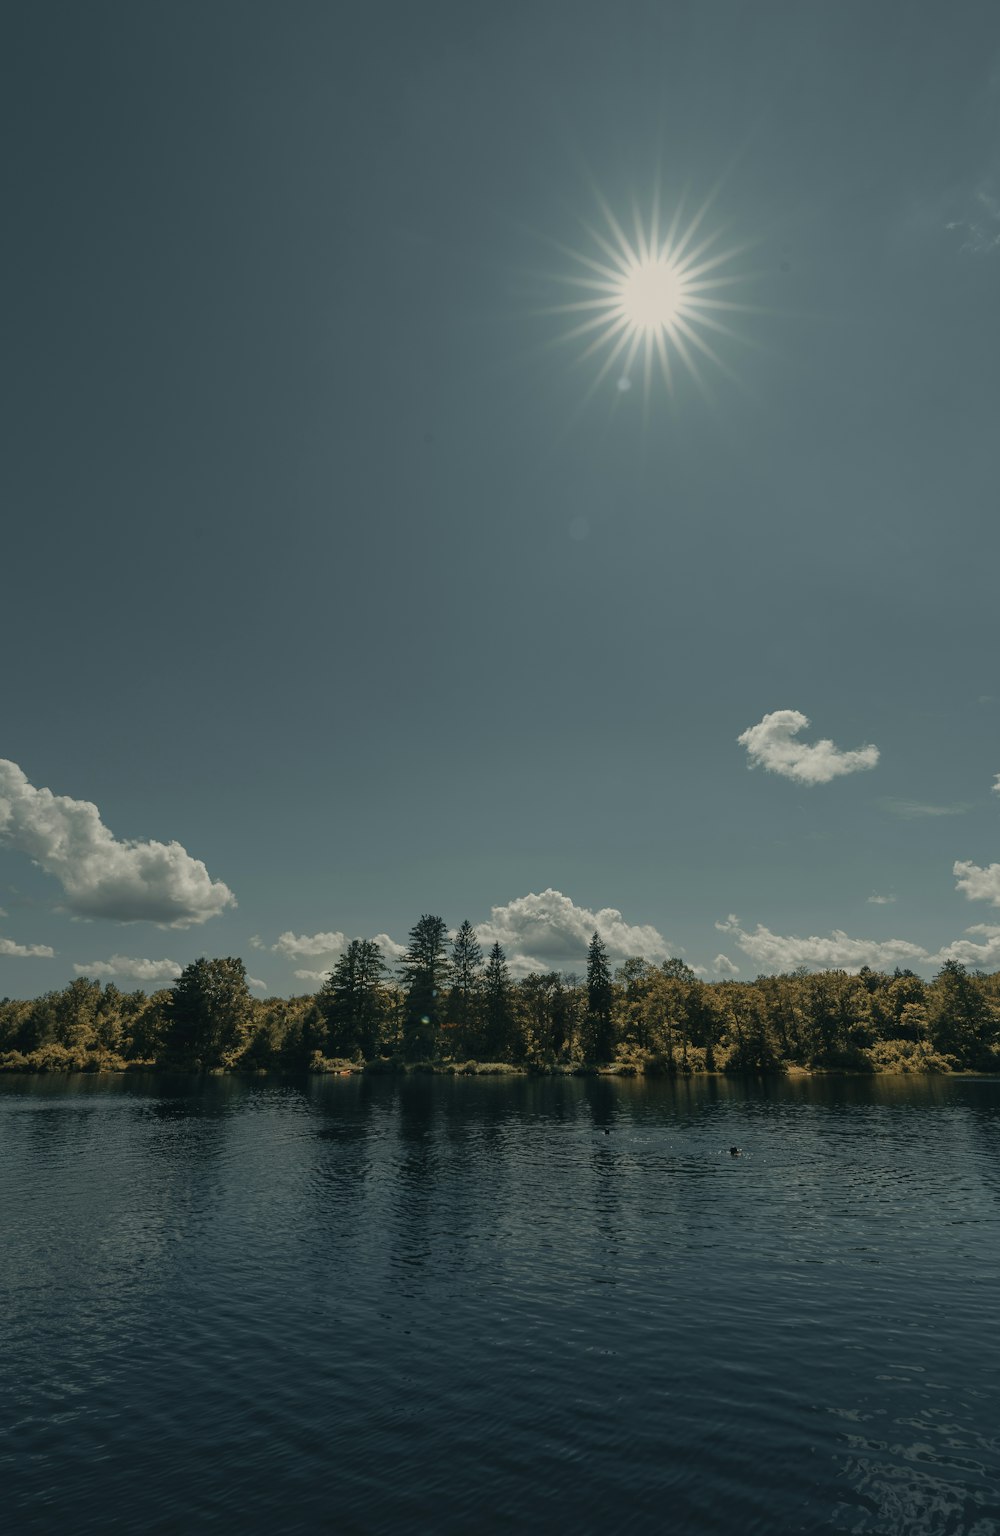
x=102, y=876
x=773, y=952
x=130, y=968
x=548, y=931
x=26, y=951
x=771, y=744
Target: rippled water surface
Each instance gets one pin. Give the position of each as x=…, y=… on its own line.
x=371, y=1305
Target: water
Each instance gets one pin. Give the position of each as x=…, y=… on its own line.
x=363, y=1305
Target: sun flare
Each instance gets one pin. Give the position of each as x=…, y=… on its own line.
x=652, y=297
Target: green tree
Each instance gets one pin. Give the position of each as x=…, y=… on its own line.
x=497, y=1036
x=464, y=1003
x=351, y=1001
x=962, y=1024
x=600, y=999
x=426, y=972
x=208, y=1014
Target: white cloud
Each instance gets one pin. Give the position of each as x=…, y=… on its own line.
x=980, y=883
x=317, y=976
x=771, y=744
x=772, y=952
x=996, y=785
x=295, y=946
x=980, y=956
x=548, y=930
x=130, y=968
x=26, y=951
x=260, y=985
x=314, y=946
x=724, y=966
x=101, y=876
x=880, y=901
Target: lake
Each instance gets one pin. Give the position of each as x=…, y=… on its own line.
x=494, y=1305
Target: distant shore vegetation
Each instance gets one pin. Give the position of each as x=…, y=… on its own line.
x=449, y=1007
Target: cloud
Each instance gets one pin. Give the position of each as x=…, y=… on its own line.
x=981, y=956
x=314, y=946
x=916, y=810
x=101, y=876
x=548, y=931
x=979, y=883
x=131, y=968
x=317, y=976
x=880, y=901
x=981, y=230
x=26, y=951
x=771, y=744
x=295, y=946
x=724, y=966
x=996, y=785
x=773, y=952
x=260, y=985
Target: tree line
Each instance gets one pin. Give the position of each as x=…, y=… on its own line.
x=449, y=1005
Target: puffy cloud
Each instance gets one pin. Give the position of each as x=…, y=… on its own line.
x=772, y=952
x=130, y=968
x=102, y=876
x=261, y=986
x=317, y=976
x=985, y=956
x=548, y=930
x=996, y=785
x=723, y=966
x=296, y=946
x=26, y=951
x=315, y=946
x=771, y=743
x=978, y=882
x=880, y=901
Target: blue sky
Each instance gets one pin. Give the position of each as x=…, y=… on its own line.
x=329, y=570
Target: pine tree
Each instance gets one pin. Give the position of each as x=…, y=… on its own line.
x=350, y=1001
x=600, y=996
x=497, y=1009
x=466, y=989
x=426, y=971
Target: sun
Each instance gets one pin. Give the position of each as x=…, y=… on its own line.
x=656, y=299
x=651, y=295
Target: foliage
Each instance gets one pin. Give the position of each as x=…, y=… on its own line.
x=208, y=1015
x=461, y=1015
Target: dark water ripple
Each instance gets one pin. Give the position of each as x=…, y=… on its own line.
x=367, y=1306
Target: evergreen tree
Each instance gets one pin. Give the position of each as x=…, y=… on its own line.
x=466, y=989
x=497, y=1009
x=600, y=997
x=426, y=971
x=962, y=1024
x=208, y=1014
x=351, y=1001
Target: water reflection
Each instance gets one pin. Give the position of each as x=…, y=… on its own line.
x=459, y=1304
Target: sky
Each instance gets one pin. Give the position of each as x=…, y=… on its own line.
x=344, y=583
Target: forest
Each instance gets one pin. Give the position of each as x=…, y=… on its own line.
x=448, y=1007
